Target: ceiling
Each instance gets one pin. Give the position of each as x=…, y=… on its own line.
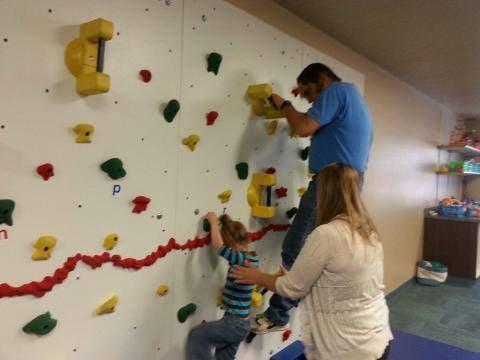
x=434, y=45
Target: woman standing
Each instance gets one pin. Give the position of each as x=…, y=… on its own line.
x=338, y=276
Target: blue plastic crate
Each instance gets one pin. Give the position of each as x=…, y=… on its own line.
x=453, y=211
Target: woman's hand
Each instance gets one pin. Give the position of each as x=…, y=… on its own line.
x=212, y=218
x=247, y=274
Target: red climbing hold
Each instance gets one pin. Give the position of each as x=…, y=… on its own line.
x=270, y=170
x=281, y=192
x=45, y=171
x=295, y=91
x=141, y=203
x=286, y=334
x=211, y=117
x=146, y=75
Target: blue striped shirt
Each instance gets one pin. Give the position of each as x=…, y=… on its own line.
x=237, y=298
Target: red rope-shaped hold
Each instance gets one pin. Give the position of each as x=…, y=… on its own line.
x=39, y=288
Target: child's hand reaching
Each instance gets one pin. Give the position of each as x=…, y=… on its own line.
x=212, y=218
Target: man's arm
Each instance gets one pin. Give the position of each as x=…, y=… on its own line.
x=300, y=123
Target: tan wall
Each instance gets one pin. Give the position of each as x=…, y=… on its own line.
x=408, y=125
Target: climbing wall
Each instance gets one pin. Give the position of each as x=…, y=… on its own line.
x=81, y=204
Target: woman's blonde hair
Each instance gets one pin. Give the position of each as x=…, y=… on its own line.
x=233, y=232
x=338, y=193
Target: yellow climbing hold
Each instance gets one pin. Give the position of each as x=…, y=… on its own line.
x=191, y=141
x=301, y=191
x=261, y=207
x=43, y=247
x=162, y=290
x=257, y=299
x=259, y=99
x=108, y=306
x=84, y=133
x=225, y=196
x=110, y=241
x=271, y=127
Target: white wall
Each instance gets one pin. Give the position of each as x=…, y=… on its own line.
x=172, y=41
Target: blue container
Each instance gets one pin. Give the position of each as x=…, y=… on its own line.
x=456, y=211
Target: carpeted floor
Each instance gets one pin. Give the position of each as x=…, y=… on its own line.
x=449, y=314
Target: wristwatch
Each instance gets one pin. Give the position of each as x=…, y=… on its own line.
x=285, y=104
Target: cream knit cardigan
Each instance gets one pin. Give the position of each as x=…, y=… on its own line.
x=339, y=279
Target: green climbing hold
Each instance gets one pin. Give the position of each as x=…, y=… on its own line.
x=184, y=312
x=114, y=168
x=304, y=153
x=41, y=325
x=242, y=170
x=214, y=60
x=206, y=225
x=291, y=213
x=6, y=211
x=171, y=110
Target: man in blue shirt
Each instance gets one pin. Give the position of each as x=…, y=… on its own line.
x=340, y=128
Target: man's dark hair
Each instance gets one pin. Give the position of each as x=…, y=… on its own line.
x=312, y=72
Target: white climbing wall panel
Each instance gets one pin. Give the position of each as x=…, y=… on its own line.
x=39, y=106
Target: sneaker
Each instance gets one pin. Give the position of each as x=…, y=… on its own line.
x=262, y=325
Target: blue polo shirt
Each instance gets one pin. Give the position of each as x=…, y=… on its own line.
x=345, y=135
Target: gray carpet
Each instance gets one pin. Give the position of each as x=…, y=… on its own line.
x=449, y=313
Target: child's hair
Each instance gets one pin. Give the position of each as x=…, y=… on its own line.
x=233, y=232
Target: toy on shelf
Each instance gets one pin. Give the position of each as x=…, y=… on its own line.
x=44, y=247
x=186, y=311
x=225, y=196
x=171, y=110
x=114, y=168
x=261, y=203
x=213, y=62
x=260, y=100
x=41, y=325
x=6, y=211
x=191, y=141
x=84, y=57
x=108, y=306
x=162, y=290
x=45, y=171
x=84, y=133
x=110, y=241
x=141, y=203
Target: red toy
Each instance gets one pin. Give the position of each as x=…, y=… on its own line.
x=45, y=171
x=141, y=203
x=286, y=334
x=270, y=170
x=281, y=192
x=211, y=117
x=146, y=75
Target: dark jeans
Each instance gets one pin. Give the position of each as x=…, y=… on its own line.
x=224, y=335
x=303, y=224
